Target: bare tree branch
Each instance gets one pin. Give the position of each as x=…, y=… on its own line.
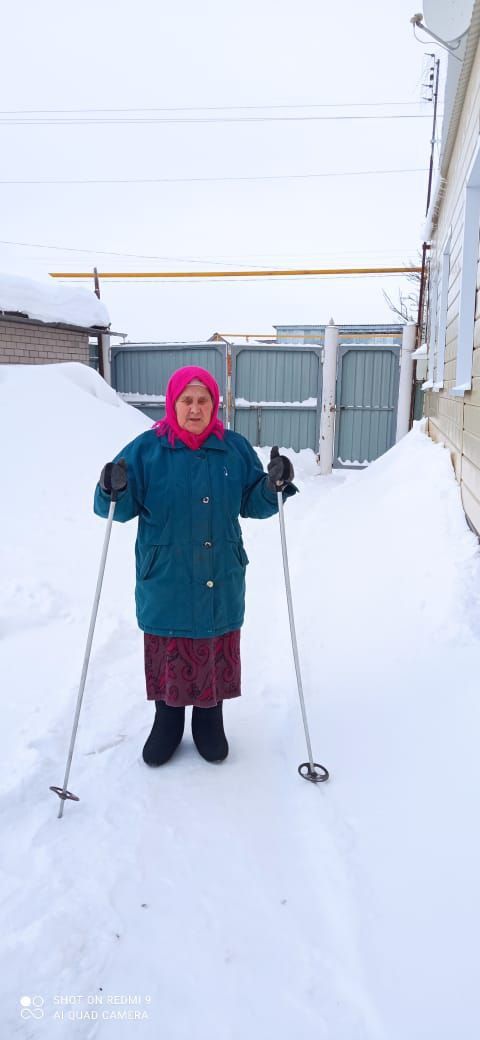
x=406, y=307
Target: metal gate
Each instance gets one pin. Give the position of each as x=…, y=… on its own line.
x=277, y=394
x=140, y=371
x=273, y=394
x=366, y=405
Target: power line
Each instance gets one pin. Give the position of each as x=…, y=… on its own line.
x=206, y=180
x=211, y=108
x=224, y=262
x=206, y=119
x=196, y=279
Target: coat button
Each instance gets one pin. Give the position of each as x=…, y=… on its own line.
x=207, y=545
x=205, y=500
x=209, y=584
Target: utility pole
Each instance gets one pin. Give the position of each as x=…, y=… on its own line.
x=432, y=85
x=434, y=75
x=100, y=342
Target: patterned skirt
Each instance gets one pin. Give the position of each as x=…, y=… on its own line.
x=192, y=671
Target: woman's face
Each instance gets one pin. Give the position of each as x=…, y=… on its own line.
x=194, y=408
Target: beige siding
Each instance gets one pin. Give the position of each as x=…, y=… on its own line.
x=471, y=444
x=471, y=478
x=445, y=416
x=471, y=506
x=456, y=421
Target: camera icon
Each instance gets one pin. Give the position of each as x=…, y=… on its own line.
x=32, y=1007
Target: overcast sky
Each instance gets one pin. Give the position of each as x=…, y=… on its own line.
x=213, y=60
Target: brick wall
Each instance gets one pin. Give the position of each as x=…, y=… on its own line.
x=24, y=343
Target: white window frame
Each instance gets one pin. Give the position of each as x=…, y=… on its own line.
x=468, y=287
x=442, y=312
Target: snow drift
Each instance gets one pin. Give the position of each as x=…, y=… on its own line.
x=237, y=900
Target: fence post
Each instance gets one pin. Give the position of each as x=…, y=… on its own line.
x=406, y=377
x=228, y=404
x=327, y=418
x=104, y=350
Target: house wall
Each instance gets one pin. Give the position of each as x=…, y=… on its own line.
x=25, y=343
x=455, y=421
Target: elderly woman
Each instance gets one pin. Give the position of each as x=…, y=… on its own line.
x=188, y=479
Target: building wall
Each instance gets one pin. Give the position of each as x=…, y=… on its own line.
x=455, y=421
x=372, y=334
x=25, y=343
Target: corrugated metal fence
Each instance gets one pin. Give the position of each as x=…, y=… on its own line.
x=272, y=393
x=278, y=394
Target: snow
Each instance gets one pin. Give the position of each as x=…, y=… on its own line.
x=420, y=352
x=131, y=398
x=136, y=398
x=268, y=340
x=309, y=402
x=353, y=462
x=50, y=302
x=237, y=900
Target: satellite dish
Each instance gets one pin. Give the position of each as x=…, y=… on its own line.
x=449, y=19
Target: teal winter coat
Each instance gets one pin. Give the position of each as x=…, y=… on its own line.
x=190, y=559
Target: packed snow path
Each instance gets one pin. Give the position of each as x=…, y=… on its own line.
x=237, y=900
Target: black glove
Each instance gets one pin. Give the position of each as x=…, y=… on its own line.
x=114, y=477
x=280, y=470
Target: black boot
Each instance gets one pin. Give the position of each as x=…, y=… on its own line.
x=167, y=732
x=208, y=733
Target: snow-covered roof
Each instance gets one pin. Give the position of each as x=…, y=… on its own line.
x=52, y=303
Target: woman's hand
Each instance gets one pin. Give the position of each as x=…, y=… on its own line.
x=280, y=470
x=114, y=477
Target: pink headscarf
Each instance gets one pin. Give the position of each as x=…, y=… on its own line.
x=176, y=385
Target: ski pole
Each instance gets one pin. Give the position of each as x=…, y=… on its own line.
x=309, y=770
x=63, y=792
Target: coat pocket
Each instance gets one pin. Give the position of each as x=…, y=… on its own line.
x=147, y=562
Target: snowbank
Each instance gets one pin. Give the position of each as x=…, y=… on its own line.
x=238, y=900
x=51, y=302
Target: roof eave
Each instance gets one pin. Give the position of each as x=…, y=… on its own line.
x=23, y=319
